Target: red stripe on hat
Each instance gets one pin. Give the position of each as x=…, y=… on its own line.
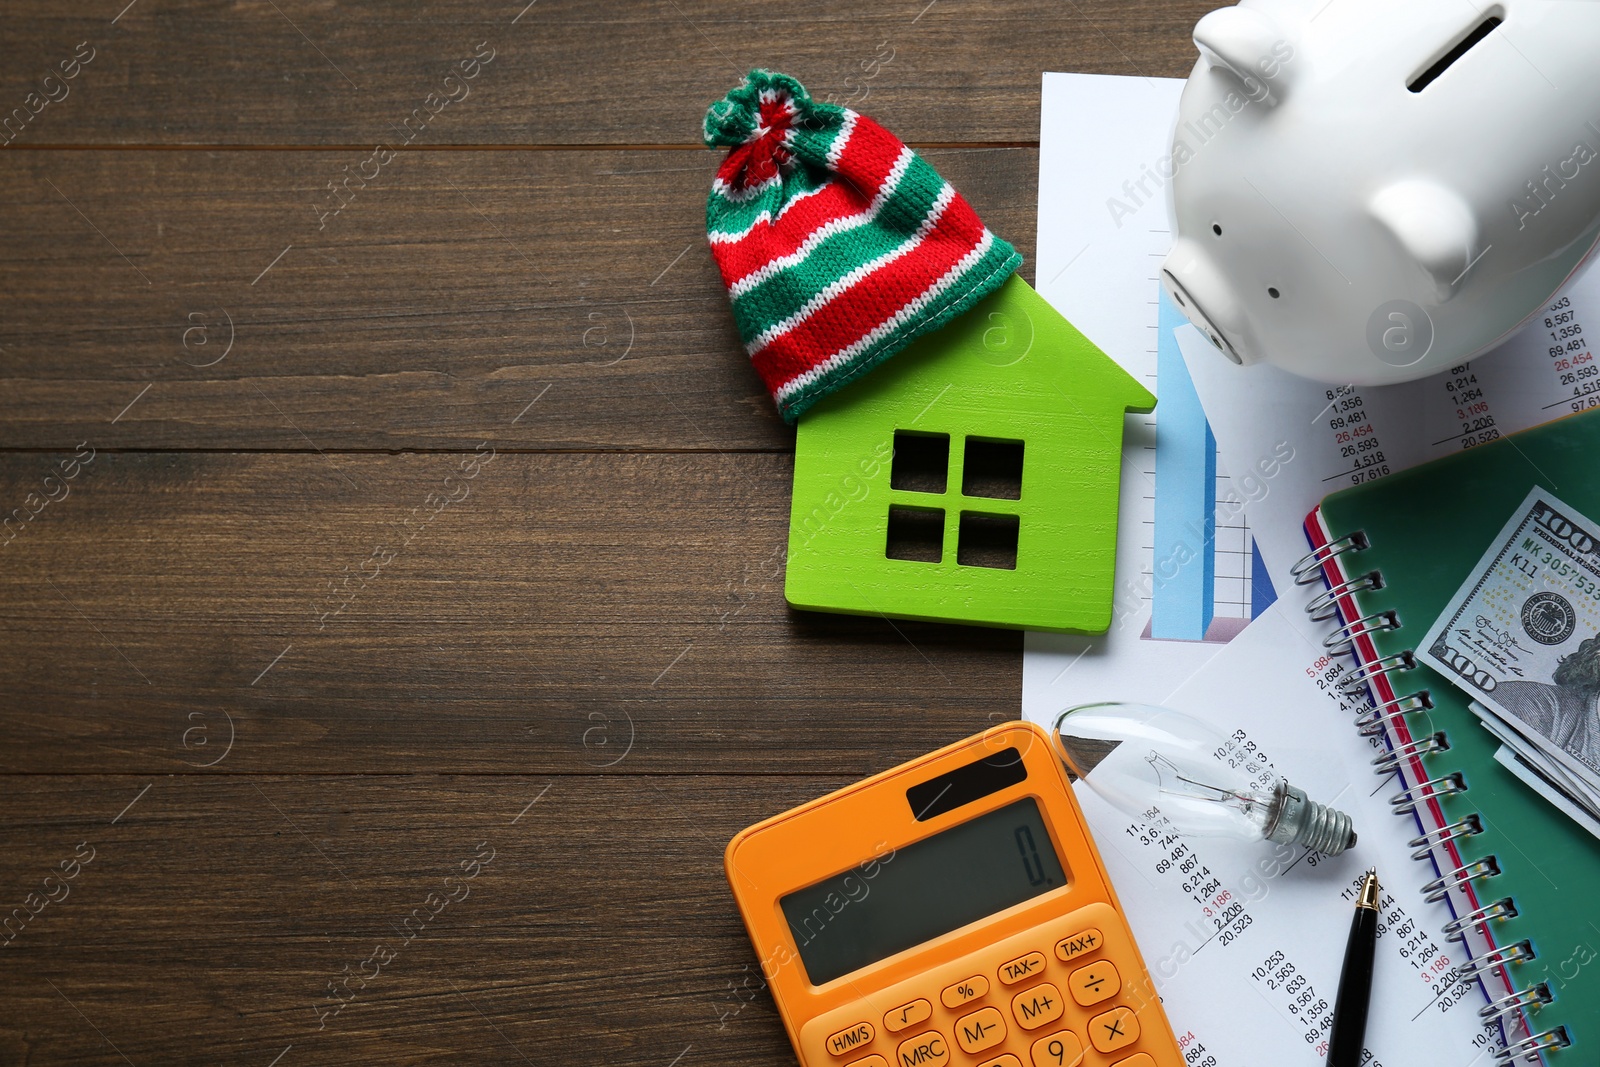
x=767, y=241
x=869, y=156
x=871, y=301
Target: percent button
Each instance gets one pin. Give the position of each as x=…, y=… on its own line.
x=965, y=991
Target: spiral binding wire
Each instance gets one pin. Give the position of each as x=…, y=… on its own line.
x=1425, y=843
x=1406, y=801
x=1375, y=720
x=1386, y=764
x=1343, y=638
x=1532, y=997
x=1456, y=929
x=1353, y=683
x=1440, y=887
x=1533, y=1046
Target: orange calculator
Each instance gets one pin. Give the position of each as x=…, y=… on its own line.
x=951, y=911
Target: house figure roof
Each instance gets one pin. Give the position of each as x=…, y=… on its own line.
x=973, y=478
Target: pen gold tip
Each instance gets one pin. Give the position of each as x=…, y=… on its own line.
x=1369, y=892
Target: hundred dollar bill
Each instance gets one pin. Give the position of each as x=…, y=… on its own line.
x=1522, y=635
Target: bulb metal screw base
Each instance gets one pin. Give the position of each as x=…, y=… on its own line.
x=1297, y=819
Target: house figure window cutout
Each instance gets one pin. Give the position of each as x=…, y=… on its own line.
x=972, y=478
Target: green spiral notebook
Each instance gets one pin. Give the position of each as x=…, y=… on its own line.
x=1404, y=545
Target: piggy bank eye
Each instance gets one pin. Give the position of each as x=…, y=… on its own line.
x=1216, y=229
x=1272, y=291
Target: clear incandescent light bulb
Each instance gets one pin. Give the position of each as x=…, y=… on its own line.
x=1138, y=757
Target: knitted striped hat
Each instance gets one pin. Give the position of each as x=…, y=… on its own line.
x=838, y=244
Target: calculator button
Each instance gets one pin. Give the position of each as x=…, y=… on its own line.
x=926, y=1050
x=1079, y=944
x=908, y=1015
x=1023, y=967
x=879, y=1061
x=1007, y=1060
x=1094, y=983
x=964, y=992
x=1058, y=1050
x=1117, y=1028
x=1138, y=1059
x=851, y=1038
x=1037, y=1006
x=984, y=1028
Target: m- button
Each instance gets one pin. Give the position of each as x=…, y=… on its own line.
x=851, y=1038
x=984, y=1028
x=1079, y=944
x=1037, y=1006
x=1023, y=967
x=1094, y=983
x=928, y=1050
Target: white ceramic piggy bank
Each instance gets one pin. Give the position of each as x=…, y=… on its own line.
x=1367, y=191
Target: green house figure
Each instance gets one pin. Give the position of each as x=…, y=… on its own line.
x=973, y=478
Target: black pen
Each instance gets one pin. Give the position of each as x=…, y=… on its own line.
x=1355, y=980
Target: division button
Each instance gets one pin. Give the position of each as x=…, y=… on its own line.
x=965, y=991
x=851, y=1038
x=1058, y=1050
x=1023, y=967
x=907, y=1015
x=1094, y=983
x=1079, y=944
x=1117, y=1028
x=926, y=1050
x=983, y=1029
x=1035, y=1007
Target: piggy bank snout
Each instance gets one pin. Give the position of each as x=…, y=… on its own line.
x=1201, y=291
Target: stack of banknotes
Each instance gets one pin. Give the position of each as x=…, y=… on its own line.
x=1522, y=638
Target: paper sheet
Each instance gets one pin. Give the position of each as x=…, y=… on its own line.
x=1245, y=941
x=1188, y=577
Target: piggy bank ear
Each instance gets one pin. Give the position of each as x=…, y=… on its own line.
x=1434, y=226
x=1251, y=47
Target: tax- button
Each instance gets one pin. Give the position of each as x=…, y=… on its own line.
x=907, y=1015
x=984, y=1028
x=1014, y=971
x=1079, y=944
x=1117, y=1028
x=1037, y=1006
x=927, y=1050
x=1094, y=983
x=963, y=992
x=851, y=1038
x=1061, y=1049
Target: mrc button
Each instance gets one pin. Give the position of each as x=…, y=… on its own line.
x=925, y=1050
x=1079, y=944
x=1021, y=968
x=851, y=1038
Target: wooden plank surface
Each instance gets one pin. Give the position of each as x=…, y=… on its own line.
x=310, y=72
x=283, y=650
x=427, y=314
x=391, y=614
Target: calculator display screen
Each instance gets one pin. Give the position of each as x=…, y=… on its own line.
x=918, y=892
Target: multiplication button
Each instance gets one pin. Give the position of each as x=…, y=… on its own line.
x=1117, y=1028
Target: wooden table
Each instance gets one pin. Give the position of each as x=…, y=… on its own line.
x=393, y=619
